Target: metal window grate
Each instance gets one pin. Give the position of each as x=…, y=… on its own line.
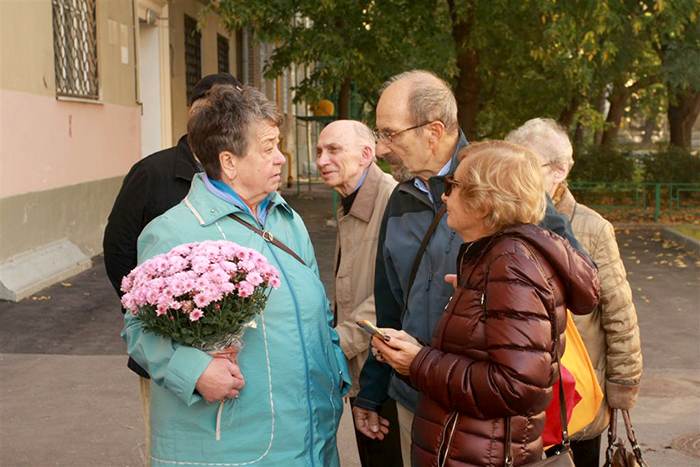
x=222, y=51
x=75, y=48
x=193, y=55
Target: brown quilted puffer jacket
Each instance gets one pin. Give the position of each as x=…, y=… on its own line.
x=492, y=353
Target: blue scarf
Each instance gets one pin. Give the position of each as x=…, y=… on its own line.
x=225, y=192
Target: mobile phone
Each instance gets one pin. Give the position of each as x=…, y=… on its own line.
x=370, y=328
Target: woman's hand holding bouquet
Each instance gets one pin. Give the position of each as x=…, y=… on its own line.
x=203, y=295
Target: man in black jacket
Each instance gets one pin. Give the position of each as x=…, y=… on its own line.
x=417, y=128
x=152, y=186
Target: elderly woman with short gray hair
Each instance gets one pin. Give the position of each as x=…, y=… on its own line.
x=282, y=395
x=611, y=332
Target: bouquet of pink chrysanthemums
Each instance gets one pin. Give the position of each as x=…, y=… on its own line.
x=201, y=294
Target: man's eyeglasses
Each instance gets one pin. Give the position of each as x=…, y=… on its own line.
x=387, y=137
x=449, y=184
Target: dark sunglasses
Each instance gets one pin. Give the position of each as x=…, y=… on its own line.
x=449, y=184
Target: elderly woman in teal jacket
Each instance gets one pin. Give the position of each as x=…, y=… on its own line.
x=283, y=394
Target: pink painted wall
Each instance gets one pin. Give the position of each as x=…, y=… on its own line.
x=47, y=143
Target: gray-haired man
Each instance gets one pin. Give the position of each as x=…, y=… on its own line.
x=346, y=163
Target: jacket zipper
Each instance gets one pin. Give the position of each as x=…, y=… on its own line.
x=451, y=425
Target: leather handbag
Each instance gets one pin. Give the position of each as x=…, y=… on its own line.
x=617, y=455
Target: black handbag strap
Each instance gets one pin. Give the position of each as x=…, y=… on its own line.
x=421, y=251
x=268, y=237
x=565, y=440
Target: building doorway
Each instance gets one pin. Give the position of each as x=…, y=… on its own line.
x=150, y=82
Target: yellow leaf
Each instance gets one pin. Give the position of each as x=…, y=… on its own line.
x=66, y=284
x=650, y=277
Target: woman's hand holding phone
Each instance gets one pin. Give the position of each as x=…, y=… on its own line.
x=398, y=351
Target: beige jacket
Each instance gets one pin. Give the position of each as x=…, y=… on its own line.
x=358, y=233
x=610, y=333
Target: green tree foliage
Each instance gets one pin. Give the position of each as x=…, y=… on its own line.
x=602, y=164
x=346, y=41
x=671, y=164
x=677, y=43
x=508, y=60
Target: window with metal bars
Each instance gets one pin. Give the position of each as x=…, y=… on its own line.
x=222, y=51
x=75, y=48
x=193, y=55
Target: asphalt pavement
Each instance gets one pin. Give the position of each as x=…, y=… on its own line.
x=67, y=398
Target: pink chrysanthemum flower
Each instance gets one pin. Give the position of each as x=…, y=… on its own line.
x=196, y=314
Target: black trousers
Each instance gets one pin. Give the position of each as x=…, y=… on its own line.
x=384, y=453
x=586, y=452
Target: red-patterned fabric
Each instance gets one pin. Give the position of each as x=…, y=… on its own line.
x=552, y=426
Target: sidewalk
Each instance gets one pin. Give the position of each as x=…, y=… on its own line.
x=67, y=398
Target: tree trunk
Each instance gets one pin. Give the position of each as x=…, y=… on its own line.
x=618, y=100
x=344, y=100
x=649, y=127
x=468, y=83
x=567, y=115
x=578, y=137
x=600, y=107
x=682, y=116
x=468, y=87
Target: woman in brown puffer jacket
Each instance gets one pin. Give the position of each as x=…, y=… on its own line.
x=611, y=332
x=492, y=353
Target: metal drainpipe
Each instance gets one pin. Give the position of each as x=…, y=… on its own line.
x=296, y=126
x=308, y=133
x=245, y=59
x=283, y=148
x=137, y=55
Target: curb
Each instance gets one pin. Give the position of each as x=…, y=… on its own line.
x=684, y=241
